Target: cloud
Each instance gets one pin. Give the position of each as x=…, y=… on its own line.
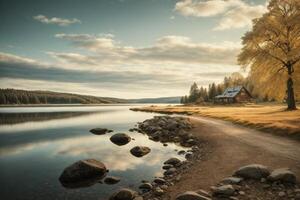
x=233, y=13
x=150, y=80
x=240, y=17
x=168, y=49
x=56, y=20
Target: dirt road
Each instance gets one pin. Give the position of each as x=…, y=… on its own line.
x=232, y=146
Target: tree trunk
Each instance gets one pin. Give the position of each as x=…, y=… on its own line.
x=290, y=91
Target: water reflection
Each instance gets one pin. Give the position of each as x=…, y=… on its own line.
x=37, y=151
x=16, y=118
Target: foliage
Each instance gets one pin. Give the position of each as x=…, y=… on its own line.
x=271, y=51
x=12, y=96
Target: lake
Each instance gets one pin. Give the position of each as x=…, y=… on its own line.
x=37, y=143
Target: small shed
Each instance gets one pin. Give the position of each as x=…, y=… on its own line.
x=236, y=94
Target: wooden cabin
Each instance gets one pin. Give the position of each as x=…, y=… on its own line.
x=238, y=94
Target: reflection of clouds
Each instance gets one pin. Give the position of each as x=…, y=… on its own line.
x=115, y=157
x=15, y=150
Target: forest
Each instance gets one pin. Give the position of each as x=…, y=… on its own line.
x=13, y=96
x=261, y=93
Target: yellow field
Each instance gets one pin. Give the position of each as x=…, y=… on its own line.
x=267, y=117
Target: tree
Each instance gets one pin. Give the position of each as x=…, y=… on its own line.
x=194, y=93
x=272, y=47
x=212, y=91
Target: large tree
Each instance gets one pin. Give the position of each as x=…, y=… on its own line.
x=272, y=47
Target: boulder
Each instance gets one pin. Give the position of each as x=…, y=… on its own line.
x=283, y=175
x=159, y=181
x=181, y=152
x=120, y=139
x=124, y=194
x=224, y=190
x=172, y=161
x=111, y=180
x=254, y=171
x=82, y=170
x=140, y=151
x=167, y=166
x=190, y=195
x=146, y=186
x=170, y=171
x=100, y=131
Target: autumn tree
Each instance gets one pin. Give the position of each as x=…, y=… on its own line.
x=272, y=47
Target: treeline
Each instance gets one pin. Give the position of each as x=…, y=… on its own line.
x=201, y=94
x=13, y=96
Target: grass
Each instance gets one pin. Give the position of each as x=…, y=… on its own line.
x=271, y=118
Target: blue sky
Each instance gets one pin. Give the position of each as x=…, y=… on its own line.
x=121, y=48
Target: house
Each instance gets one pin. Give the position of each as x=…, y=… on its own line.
x=236, y=94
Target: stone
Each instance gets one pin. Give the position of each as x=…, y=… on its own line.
x=203, y=193
x=224, y=190
x=146, y=186
x=232, y=180
x=110, y=180
x=190, y=195
x=158, y=191
x=83, y=170
x=120, y=139
x=181, y=152
x=283, y=175
x=100, y=131
x=159, y=181
x=281, y=194
x=189, y=156
x=172, y=161
x=124, y=194
x=170, y=171
x=163, y=187
x=167, y=166
x=254, y=171
x=139, y=151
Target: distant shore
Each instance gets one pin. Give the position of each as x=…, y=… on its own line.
x=75, y=105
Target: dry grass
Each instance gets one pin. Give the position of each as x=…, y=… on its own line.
x=267, y=117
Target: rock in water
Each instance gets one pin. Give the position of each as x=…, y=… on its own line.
x=111, y=180
x=190, y=195
x=283, y=175
x=172, y=161
x=140, y=151
x=83, y=170
x=159, y=181
x=253, y=171
x=146, y=186
x=100, y=131
x=124, y=194
x=120, y=139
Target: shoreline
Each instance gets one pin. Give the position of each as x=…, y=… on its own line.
x=223, y=155
x=292, y=131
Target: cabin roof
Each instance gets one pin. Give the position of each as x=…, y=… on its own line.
x=230, y=92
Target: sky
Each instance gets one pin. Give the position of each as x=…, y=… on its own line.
x=121, y=48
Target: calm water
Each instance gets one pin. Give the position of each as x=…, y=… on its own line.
x=37, y=143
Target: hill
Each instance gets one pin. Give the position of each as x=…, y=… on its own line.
x=18, y=97
x=14, y=96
